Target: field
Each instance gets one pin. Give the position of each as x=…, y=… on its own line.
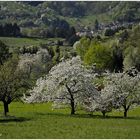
x=40, y=121
x=20, y=42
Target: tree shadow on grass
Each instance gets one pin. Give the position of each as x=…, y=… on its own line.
x=52, y=114
x=107, y=117
x=87, y=116
x=121, y=117
x=69, y=115
x=13, y=119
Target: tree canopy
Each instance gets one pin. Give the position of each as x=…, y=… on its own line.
x=12, y=82
x=67, y=84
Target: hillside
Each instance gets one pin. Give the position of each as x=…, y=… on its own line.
x=43, y=14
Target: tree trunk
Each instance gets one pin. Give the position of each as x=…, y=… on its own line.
x=72, y=107
x=71, y=100
x=103, y=113
x=126, y=108
x=125, y=113
x=1, y=62
x=6, y=108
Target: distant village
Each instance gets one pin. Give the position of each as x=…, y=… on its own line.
x=101, y=28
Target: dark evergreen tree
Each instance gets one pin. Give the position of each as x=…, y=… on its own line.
x=1, y=30
x=16, y=30
x=71, y=32
x=4, y=53
x=96, y=26
x=10, y=30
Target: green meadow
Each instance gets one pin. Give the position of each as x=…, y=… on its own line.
x=20, y=42
x=40, y=121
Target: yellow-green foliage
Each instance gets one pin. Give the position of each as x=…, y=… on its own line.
x=132, y=57
x=83, y=46
x=132, y=51
x=99, y=55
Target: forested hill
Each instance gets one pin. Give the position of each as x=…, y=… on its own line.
x=42, y=14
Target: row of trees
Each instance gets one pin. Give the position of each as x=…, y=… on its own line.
x=70, y=84
x=69, y=33
x=57, y=28
x=61, y=30
x=9, y=29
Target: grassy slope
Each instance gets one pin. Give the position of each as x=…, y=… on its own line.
x=39, y=121
x=89, y=20
x=26, y=12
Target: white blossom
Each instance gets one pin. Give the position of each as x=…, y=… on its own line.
x=68, y=83
x=123, y=90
